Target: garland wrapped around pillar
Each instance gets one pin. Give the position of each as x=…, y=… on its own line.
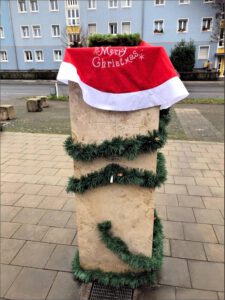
x=122, y=160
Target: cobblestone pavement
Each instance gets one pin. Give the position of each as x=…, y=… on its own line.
x=39, y=236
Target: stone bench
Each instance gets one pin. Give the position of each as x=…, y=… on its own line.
x=7, y=112
x=36, y=104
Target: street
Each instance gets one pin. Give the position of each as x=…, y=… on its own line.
x=12, y=90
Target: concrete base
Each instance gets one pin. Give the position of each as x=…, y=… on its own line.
x=129, y=208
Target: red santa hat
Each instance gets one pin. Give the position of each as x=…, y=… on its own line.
x=123, y=78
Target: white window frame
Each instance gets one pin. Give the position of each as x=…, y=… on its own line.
x=77, y=19
x=57, y=60
x=72, y=5
x=109, y=23
x=31, y=7
x=55, y=36
x=4, y=61
x=208, y=1
x=18, y=6
x=95, y=27
x=21, y=29
x=2, y=32
x=211, y=24
x=50, y=9
x=200, y=46
x=111, y=7
x=125, y=5
x=92, y=1
x=24, y=54
x=35, y=55
x=155, y=4
x=156, y=20
x=186, y=3
x=39, y=36
x=178, y=25
x=122, y=26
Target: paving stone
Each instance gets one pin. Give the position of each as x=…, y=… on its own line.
x=161, y=211
x=174, y=171
x=29, y=178
x=166, y=199
x=29, y=188
x=53, y=203
x=70, y=205
x=198, y=190
x=217, y=191
x=173, y=230
x=9, y=198
x=214, y=252
x=187, y=249
x=206, y=181
x=219, y=233
x=55, y=218
x=199, y=232
x=190, y=201
x=29, y=215
x=31, y=284
x=213, y=202
x=8, y=275
x=49, y=190
x=31, y=232
x=220, y=181
x=184, y=180
x=175, y=189
x=207, y=275
x=64, y=287
x=50, y=180
x=8, y=187
x=29, y=201
x=72, y=221
x=34, y=254
x=191, y=172
x=208, y=216
x=9, y=212
x=60, y=236
x=10, y=177
x=47, y=171
x=9, y=249
x=210, y=173
x=8, y=229
x=62, y=257
x=175, y=272
x=166, y=247
x=199, y=166
x=216, y=167
x=160, y=293
x=183, y=214
x=191, y=294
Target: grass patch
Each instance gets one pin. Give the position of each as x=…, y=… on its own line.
x=203, y=101
x=60, y=98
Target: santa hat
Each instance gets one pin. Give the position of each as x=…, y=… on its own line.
x=123, y=78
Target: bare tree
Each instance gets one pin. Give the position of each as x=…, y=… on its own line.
x=218, y=5
x=79, y=40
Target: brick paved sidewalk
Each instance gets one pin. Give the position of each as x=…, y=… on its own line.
x=39, y=236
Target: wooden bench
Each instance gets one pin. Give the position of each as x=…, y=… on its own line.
x=7, y=112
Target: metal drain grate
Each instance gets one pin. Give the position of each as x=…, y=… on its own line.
x=101, y=292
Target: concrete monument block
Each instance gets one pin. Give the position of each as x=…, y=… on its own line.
x=7, y=112
x=129, y=208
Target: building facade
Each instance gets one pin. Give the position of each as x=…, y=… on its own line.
x=35, y=33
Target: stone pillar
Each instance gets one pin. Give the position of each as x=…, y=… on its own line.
x=129, y=208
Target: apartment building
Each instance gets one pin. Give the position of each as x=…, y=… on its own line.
x=34, y=33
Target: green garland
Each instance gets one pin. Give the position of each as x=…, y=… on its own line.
x=121, y=175
x=130, y=279
x=129, y=148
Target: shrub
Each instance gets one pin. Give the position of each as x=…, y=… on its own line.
x=183, y=56
x=98, y=40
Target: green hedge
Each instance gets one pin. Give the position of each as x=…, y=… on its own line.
x=98, y=40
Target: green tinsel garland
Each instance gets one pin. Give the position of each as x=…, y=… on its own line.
x=129, y=148
x=130, y=279
x=121, y=175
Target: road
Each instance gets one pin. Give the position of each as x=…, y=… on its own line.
x=13, y=90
